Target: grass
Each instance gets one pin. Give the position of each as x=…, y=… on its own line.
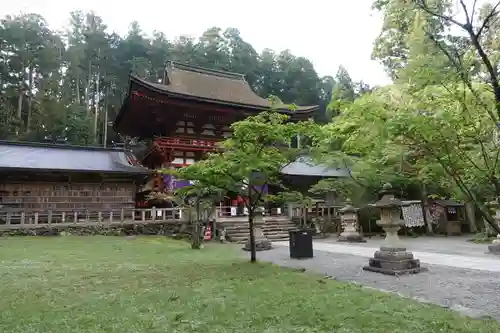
x=107, y=284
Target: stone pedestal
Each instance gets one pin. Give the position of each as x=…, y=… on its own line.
x=351, y=238
x=394, y=261
x=392, y=258
x=261, y=241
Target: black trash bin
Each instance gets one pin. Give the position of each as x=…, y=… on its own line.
x=301, y=244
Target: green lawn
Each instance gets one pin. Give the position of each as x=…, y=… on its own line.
x=108, y=284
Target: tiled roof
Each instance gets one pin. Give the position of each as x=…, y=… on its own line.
x=304, y=166
x=50, y=157
x=213, y=86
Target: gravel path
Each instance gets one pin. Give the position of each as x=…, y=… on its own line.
x=472, y=292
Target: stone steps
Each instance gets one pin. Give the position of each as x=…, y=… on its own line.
x=275, y=229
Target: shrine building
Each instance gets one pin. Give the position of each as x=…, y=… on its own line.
x=183, y=117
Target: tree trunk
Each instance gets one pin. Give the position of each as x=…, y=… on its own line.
x=30, y=98
x=97, y=98
x=471, y=215
x=196, y=237
x=487, y=216
x=78, y=97
x=105, y=139
x=19, y=109
x=253, y=251
x=20, y=102
x=87, y=89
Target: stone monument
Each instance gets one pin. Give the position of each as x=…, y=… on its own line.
x=261, y=241
x=495, y=245
x=392, y=258
x=349, y=219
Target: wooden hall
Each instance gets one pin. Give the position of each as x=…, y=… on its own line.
x=185, y=115
x=51, y=178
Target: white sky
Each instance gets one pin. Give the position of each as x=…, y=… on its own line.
x=329, y=33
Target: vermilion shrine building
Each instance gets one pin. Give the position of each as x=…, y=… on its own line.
x=185, y=115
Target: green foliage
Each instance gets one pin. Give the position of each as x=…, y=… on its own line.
x=451, y=127
x=439, y=136
x=346, y=188
x=73, y=79
x=344, y=92
x=251, y=158
x=404, y=36
x=359, y=140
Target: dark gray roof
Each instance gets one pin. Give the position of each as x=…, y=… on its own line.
x=215, y=86
x=51, y=157
x=448, y=203
x=304, y=166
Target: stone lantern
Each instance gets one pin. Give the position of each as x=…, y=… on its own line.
x=495, y=245
x=392, y=258
x=349, y=219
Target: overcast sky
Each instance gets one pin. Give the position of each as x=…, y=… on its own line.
x=329, y=33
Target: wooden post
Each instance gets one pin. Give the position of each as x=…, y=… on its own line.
x=36, y=218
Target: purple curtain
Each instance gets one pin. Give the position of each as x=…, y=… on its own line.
x=262, y=189
x=171, y=183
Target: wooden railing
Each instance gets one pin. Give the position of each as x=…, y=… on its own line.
x=171, y=142
x=17, y=218
x=228, y=211
x=295, y=211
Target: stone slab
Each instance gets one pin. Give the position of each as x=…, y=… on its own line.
x=260, y=245
x=395, y=265
x=392, y=249
x=395, y=272
x=351, y=239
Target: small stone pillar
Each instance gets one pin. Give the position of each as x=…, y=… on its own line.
x=349, y=219
x=392, y=258
x=495, y=207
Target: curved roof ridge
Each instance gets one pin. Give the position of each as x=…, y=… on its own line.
x=203, y=70
x=215, y=89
